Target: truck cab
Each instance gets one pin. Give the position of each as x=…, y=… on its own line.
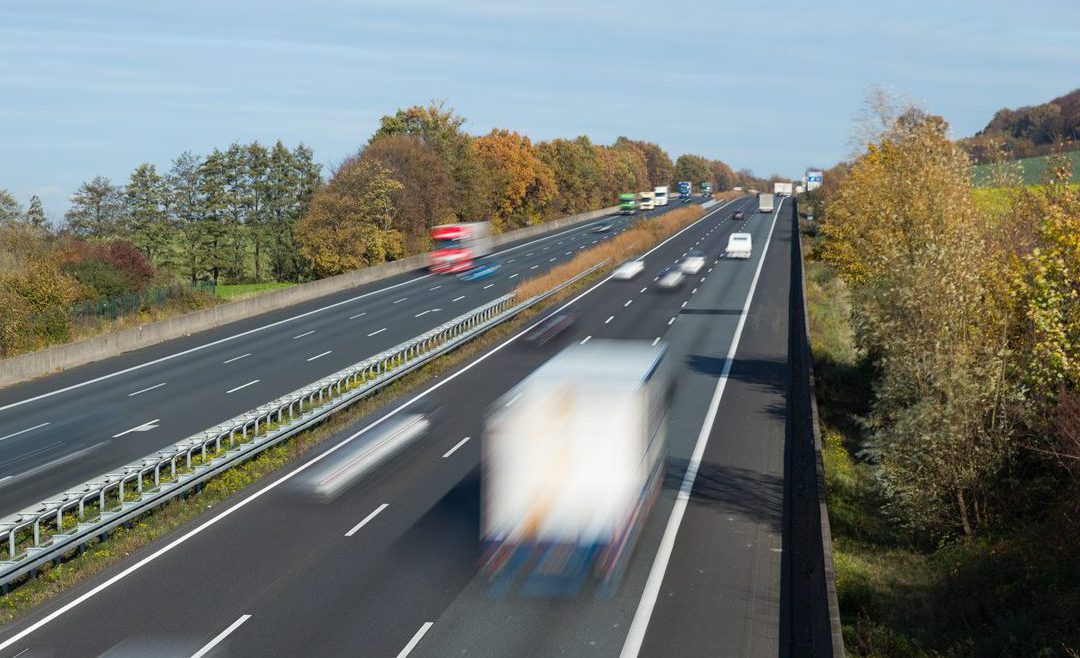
x=660, y=195
x=647, y=201
x=627, y=203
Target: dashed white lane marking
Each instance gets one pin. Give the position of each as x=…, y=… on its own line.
x=237, y=358
x=233, y=390
x=220, y=636
x=458, y=299
x=28, y=429
x=376, y=332
x=367, y=519
x=586, y=340
x=306, y=333
x=416, y=639
x=149, y=388
x=456, y=446
x=319, y=356
x=609, y=319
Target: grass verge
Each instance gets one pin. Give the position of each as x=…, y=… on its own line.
x=1015, y=592
x=237, y=291
x=101, y=554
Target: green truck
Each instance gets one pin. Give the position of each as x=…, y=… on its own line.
x=627, y=204
x=706, y=189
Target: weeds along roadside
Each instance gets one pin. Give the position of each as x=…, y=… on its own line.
x=51, y=580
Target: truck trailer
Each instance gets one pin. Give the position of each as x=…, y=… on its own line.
x=457, y=246
x=573, y=457
x=660, y=193
x=685, y=188
x=765, y=202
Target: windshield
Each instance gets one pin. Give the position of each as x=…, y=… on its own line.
x=448, y=244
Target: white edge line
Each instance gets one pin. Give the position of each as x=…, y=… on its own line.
x=456, y=446
x=314, y=460
x=367, y=519
x=416, y=639
x=220, y=636
x=640, y=624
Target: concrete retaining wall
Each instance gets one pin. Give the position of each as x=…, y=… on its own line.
x=60, y=357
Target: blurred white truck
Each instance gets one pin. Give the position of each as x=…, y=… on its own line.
x=765, y=202
x=661, y=194
x=739, y=246
x=572, y=459
x=782, y=189
x=646, y=201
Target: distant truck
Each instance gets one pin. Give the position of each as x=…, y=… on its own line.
x=660, y=192
x=627, y=203
x=739, y=246
x=706, y=189
x=573, y=458
x=684, y=191
x=458, y=246
x=782, y=189
x=765, y=202
x=647, y=201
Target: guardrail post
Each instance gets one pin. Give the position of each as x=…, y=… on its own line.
x=60, y=519
x=120, y=492
x=11, y=544
x=37, y=531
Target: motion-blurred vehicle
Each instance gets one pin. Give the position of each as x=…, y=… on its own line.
x=344, y=468
x=738, y=215
x=706, y=189
x=692, y=262
x=660, y=195
x=685, y=189
x=573, y=458
x=550, y=328
x=602, y=227
x=739, y=246
x=670, y=278
x=628, y=270
x=481, y=270
x=646, y=201
x=457, y=246
x=627, y=203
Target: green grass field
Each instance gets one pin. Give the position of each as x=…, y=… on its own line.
x=241, y=290
x=1033, y=170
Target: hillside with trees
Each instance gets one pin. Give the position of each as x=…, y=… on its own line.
x=1028, y=131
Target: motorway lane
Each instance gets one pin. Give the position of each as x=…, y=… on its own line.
x=57, y=442
x=413, y=558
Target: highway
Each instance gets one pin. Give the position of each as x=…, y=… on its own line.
x=391, y=567
x=59, y=431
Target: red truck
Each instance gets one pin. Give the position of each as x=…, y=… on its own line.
x=457, y=246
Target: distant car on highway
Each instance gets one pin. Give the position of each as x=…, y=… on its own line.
x=738, y=215
x=692, y=262
x=482, y=270
x=550, y=328
x=602, y=227
x=670, y=278
x=628, y=270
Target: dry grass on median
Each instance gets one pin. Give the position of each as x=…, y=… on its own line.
x=624, y=246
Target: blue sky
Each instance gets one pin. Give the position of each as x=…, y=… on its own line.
x=91, y=88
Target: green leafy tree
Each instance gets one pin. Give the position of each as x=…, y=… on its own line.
x=35, y=214
x=10, y=211
x=97, y=209
x=693, y=168
x=147, y=223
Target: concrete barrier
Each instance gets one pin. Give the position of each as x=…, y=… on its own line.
x=60, y=357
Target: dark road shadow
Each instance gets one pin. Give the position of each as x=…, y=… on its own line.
x=733, y=490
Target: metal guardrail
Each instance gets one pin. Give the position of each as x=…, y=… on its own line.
x=65, y=522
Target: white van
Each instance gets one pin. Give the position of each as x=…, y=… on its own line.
x=739, y=246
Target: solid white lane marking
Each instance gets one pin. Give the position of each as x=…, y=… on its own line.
x=586, y=340
x=220, y=636
x=306, y=333
x=458, y=299
x=609, y=319
x=358, y=315
x=416, y=639
x=131, y=395
x=378, y=331
x=237, y=358
x=244, y=502
x=145, y=427
x=488, y=286
x=28, y=429
x=456, y=446
x=399, y=300
x=233, y=390
x=319, y=356
x=368, y=518
x=636, y=634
